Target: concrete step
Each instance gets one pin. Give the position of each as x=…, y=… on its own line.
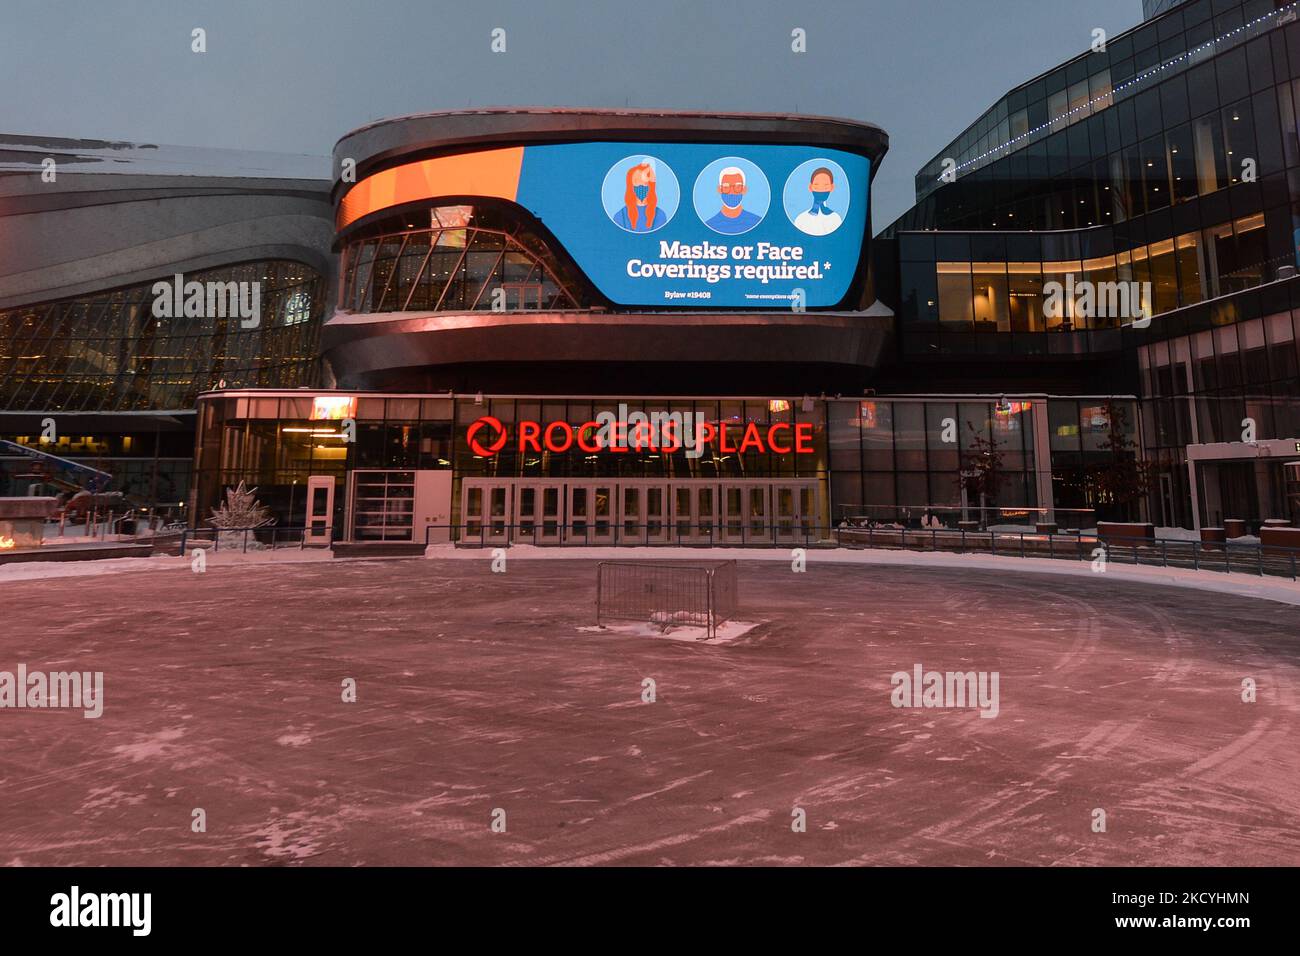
x=378, y=549
x=91, y=551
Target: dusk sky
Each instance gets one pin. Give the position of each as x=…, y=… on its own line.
x=293, y=75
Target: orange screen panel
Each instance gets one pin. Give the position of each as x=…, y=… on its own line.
x=491, y=172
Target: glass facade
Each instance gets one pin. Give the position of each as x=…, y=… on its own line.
x=1167, y=75
x=456, y=259
x=273, y=443
x=106, y=351
x=894, y=460
x=1162, y=174
x=990, y=283
x=885, y=461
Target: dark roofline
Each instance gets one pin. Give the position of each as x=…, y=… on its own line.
x=392, y=141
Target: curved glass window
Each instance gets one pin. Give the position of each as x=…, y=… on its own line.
x=255, y=324
x=454, y=259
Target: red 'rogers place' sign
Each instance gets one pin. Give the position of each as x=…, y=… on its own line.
x=488, y=435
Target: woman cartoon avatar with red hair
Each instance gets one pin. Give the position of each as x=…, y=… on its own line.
x=640, y=212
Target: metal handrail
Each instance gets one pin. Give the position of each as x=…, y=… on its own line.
x=1259, y=559
x=1279, y=560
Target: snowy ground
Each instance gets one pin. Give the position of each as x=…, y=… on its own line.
x=1278, y=589
x=479, y=692
x=1243, y=584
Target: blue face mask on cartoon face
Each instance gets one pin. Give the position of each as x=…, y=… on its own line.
x=732, y=200
x=641, y=192
x=819, y=202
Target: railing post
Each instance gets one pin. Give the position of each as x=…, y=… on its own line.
x=1293, y=564
x=1051, y=545
x=711, y=630
x=1259, y=550
x=1227, y=557
x=1164, y=553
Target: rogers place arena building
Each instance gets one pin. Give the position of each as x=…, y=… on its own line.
x=575, y=327
x=614, y=327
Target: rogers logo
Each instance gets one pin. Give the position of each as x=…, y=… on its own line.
x=471, y=436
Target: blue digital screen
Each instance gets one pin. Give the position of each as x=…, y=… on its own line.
x=691, y=224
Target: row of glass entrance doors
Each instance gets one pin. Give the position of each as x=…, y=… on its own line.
x=639, y=511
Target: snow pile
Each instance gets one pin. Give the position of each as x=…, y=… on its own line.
x=727, y=631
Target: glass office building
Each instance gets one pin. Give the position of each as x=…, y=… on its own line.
x=1164, y=168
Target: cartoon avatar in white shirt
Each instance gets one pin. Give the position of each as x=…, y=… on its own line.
x=820, y=220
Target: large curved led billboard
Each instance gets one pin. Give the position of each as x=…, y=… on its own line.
x=669, y=224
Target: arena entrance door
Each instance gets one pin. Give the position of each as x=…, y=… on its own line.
x=639, y=511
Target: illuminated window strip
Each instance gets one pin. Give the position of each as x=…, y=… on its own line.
x=1137, y=79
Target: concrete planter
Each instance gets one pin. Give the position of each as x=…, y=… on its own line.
x=1125, y=531
x=1275, y=539
x=22, y=521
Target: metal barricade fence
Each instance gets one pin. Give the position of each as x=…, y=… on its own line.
x=703, y=594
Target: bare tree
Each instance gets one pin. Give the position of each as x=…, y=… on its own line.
x=983, y=472
x=1123, y=478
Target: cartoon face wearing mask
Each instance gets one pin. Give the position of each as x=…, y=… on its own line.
x=732, y=189
x=731, y=217
x=821, y=186
x=640, y=212
x=821, y=219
